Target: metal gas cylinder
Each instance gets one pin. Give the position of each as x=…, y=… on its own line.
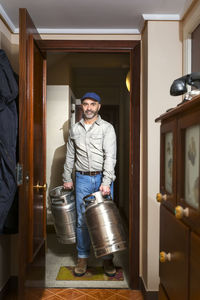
x=64, y=214
x=104, y=225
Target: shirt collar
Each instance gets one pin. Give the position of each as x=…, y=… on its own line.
x=98, y=121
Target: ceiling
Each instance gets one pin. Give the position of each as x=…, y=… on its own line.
x=92, y=16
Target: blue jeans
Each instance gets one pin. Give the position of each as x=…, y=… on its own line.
x=85, y=185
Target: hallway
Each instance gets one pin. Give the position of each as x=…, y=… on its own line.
x=79, y=294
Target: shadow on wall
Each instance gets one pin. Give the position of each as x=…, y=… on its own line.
x=58, y=161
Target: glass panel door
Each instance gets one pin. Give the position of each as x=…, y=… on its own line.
x=168, y=161
x=192, y=166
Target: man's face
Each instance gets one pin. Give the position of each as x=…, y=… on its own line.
x=90, y=108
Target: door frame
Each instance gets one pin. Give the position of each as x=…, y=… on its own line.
x=28, y=42
x=133, y=48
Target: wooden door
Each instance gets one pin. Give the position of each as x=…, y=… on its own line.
x=32, y=150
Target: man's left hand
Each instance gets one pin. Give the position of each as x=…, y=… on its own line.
x=105, y=190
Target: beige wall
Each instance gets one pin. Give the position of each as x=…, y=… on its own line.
x=162, y=63
x=58, y=121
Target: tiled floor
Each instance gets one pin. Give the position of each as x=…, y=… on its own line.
x=79, y=294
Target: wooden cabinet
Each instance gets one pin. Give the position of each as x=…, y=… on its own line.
x=180, y=202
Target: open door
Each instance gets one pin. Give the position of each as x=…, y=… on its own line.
x=32, y=146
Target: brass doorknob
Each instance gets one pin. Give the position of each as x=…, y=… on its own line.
x=38, y=186
x=165, y=257
x=160, y=197
x=181, y=212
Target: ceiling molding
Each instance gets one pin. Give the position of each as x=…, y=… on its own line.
x=7, y=19
x=85, y=31
x=161, y=17
x=131, y=31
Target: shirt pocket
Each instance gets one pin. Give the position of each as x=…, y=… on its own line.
x=76, y=138
x=96, y=141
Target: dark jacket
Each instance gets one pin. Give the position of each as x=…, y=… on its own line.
x=8, y=136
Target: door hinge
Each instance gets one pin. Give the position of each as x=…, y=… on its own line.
x=19, y=174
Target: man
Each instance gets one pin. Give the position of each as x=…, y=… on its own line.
x=91, y=148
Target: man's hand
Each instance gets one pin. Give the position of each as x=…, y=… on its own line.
x=68, y=185
x=105, y=190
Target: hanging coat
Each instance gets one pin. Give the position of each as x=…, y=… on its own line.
x=8, y=136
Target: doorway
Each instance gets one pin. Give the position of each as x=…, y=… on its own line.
x=29, y=44
x=69, y=76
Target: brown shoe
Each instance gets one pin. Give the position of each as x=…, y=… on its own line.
x=81, y=267
x=109, y=267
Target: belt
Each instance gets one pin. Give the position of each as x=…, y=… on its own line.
x=92, y=173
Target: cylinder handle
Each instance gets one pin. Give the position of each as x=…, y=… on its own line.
x=181, y=212
x=38, y=186
x=165, y=256
x=160, y=197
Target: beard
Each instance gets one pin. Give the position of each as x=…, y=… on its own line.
x=90, y=114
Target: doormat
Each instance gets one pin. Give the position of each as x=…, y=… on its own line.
x=93, y=273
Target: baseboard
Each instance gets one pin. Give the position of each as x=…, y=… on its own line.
x=10, y=285
x=148, y=295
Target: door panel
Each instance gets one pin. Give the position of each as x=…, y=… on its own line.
x=195, y=267
x=39, y=155
x=189, y=168
x=31, y=145
x=167, y=164
x=174, y=239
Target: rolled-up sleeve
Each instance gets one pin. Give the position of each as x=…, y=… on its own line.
x=69, y=161
x=110, y=152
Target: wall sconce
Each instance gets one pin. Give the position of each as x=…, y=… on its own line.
x=128, y=81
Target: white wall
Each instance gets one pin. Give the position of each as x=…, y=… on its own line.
x=162, y=53
x=57, y=127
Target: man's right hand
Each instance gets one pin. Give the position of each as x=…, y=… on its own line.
x=68, y=185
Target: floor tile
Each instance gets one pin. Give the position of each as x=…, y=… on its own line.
x=78, y=294
x=54, y=297
x=98, y=293
x=129, y=294
x=70, y=294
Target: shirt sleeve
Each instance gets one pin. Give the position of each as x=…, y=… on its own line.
x=110, y=151
x=69, y=160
